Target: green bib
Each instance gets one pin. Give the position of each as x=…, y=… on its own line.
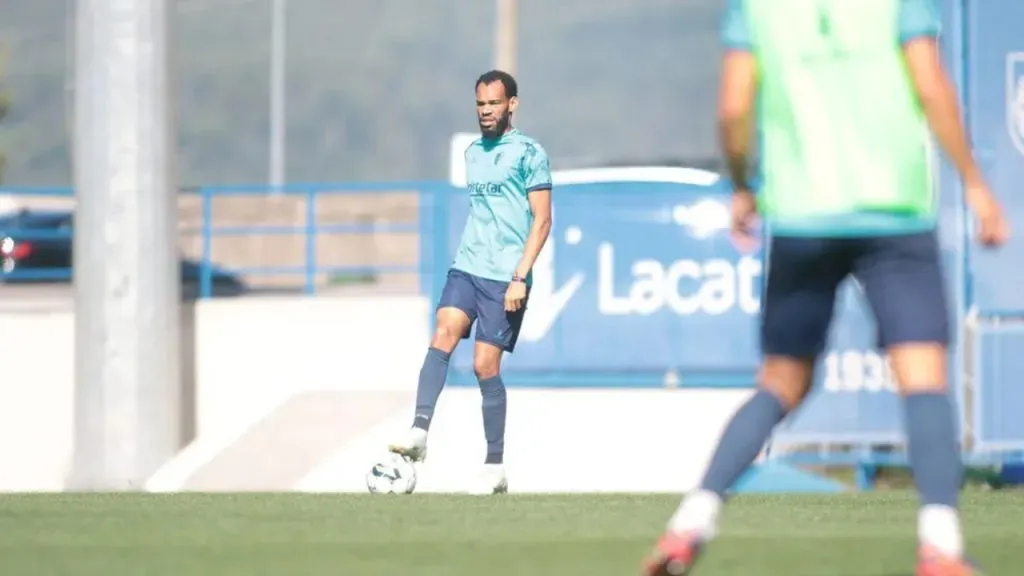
x=842, y=129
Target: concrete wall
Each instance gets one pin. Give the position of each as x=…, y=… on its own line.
x=303, y=394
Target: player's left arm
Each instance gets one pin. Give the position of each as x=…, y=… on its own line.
x=537, y=173
x=737, y=95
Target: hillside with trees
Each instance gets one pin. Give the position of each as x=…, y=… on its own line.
x=376, y=88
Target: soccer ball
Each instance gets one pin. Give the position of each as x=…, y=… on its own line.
x=393, y=474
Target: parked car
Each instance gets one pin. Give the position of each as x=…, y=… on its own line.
x=36, y=247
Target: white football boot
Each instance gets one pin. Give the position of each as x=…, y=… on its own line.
x=412, y=445
x=491, y=480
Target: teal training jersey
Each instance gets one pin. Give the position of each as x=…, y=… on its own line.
x=845, y=149
x=500, y=176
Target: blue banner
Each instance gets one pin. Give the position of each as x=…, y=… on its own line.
x=639, y=285
x=995, y=105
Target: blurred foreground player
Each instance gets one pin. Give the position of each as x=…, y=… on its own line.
x=846, y=91
x=509, y=181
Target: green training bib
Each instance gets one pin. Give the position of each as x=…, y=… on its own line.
x=842, y=129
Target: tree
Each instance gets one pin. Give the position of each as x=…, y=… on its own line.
x=5, y=106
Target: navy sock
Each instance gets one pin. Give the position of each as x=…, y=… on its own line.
x=932, y=447
x=742, y=441
x=494, y=407
x=432, y=377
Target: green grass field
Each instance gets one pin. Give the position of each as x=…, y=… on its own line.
x=427, y=535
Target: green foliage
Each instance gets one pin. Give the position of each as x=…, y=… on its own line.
x=375, y=89
x=5, y=107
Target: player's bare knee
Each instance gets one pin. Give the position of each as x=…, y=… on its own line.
x=919, y=367
x=486, y=361
x=445, y=338
x=485, y=368
x=788, y=379
x=452, y=325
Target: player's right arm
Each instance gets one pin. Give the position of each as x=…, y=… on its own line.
x=736, y=116
x=919, y=36
x=737, y=94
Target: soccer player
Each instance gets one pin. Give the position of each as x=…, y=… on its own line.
x=509, y=181
x=845, y=92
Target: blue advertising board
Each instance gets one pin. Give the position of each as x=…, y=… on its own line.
x=992, y=79
x=995, y=108
x=639, y=286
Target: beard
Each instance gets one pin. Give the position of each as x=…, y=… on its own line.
x=499, y=127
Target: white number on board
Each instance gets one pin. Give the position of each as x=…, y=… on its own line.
x=858, y=371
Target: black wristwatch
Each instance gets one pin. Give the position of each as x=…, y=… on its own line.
x=519, y=279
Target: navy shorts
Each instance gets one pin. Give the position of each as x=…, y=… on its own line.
x=900, y=275
x=483, y=301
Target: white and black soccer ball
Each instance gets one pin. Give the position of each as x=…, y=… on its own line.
x=392, y=474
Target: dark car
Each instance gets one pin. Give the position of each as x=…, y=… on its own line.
x=36, y=247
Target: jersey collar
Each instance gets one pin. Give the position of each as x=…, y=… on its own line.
x=491, y=142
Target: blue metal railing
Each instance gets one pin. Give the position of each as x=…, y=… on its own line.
x=306, y=269
x=309, y=230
